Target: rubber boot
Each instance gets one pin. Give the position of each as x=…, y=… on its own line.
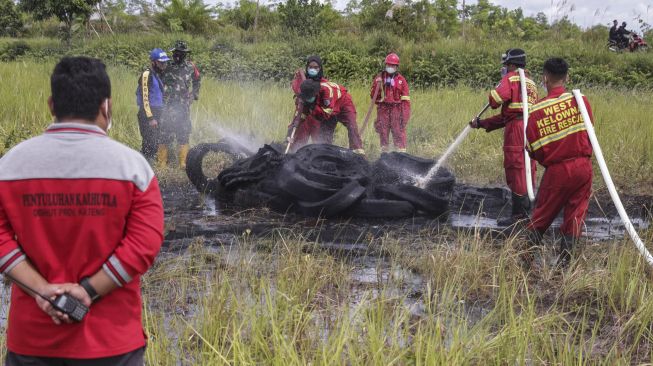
x=520, y=208
x=162, y=156
x=533, y=241
x=564, y=255
x=183, y=153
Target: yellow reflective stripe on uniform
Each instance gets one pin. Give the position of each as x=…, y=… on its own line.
x=146, y=94
x=547, y=103
x=327, y=110
x=496, y=97
x=337, y=88
x=557, y=136
x=405, y=97
x=513, y=78
x=328, y=87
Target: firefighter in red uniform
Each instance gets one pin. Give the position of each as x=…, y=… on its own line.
x=507, y=95
x=330, y=103
x=393, y=104
x=306, y=126
x=557, y=139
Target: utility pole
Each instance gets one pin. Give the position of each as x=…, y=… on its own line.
x=463, y=19
x=256, y=15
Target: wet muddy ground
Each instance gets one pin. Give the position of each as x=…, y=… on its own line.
x=189, y=215
x=474, y=209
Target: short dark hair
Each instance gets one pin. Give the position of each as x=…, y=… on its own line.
x=79, y=86
x=556, y=67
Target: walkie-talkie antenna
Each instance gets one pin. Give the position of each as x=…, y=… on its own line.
x=23, y=285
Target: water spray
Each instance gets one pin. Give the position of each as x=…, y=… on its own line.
x=527, y=158
x=608, y=179
x=421, y=182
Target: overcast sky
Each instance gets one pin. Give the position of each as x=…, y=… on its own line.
x=583, y=12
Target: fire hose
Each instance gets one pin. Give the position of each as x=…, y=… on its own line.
x=589, y=127
x=527, y=158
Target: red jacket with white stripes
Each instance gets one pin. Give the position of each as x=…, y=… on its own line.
x=72, y=202
x=330, y=100
x=507, y=95
x=556, y=131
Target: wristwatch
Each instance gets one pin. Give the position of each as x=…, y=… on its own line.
x=89, y=289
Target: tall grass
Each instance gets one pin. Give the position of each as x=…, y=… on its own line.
x=262, y=111
x=294, y=304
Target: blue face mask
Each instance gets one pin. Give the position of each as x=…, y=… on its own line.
x=504, y=71
x=313, y=72
x=310, y=100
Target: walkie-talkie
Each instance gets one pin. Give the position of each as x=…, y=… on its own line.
x=63, y=303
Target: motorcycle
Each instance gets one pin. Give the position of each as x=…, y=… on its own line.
x=632, y=43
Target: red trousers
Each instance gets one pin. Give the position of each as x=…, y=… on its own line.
x=389, y=117
x=513, y=157
x=308, y=128
x=566, y=185
x=346, y=116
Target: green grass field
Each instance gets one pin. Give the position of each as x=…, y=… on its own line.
x=280, y=300
x=263, y=111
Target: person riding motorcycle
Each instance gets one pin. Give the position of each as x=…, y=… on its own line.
x=613, y=31
x=623, y=36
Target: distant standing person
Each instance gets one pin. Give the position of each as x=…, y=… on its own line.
x=305, y=125
x=507, y=95
x=558, y=140
x=149, y=98
x=393, y=104
x=182, y=86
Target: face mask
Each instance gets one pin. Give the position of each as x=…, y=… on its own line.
x=106, y=111
x=310, y=100
x=390, y=69
x=313, y=72
x=504, y=71
x=544, y=85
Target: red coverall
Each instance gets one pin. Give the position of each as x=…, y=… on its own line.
x=557, y=139
x=393, y=108
x=333, y=104
x=508, y=95
x=308, y=127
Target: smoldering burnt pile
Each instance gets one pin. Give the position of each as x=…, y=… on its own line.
x=323, y=180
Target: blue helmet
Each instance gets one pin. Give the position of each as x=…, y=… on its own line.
x=158, y=54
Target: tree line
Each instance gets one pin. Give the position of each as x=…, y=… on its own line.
x=417, y=20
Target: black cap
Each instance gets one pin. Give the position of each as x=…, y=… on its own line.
x=180, y=46
x=309, y=88
x=514, y=56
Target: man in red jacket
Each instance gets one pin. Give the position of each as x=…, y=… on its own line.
x=557, y=139
x=507, y=95
x=330, y=103
x=80, y=214
x=391, y=95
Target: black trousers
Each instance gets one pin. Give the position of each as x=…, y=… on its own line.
x=133, y=358
x=149, y=134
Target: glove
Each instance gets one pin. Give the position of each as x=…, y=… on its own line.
x=475, y=123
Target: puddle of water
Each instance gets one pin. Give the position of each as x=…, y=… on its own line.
x=596, y=228
x=210, y=207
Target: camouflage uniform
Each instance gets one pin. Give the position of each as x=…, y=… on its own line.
x=178, y=97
